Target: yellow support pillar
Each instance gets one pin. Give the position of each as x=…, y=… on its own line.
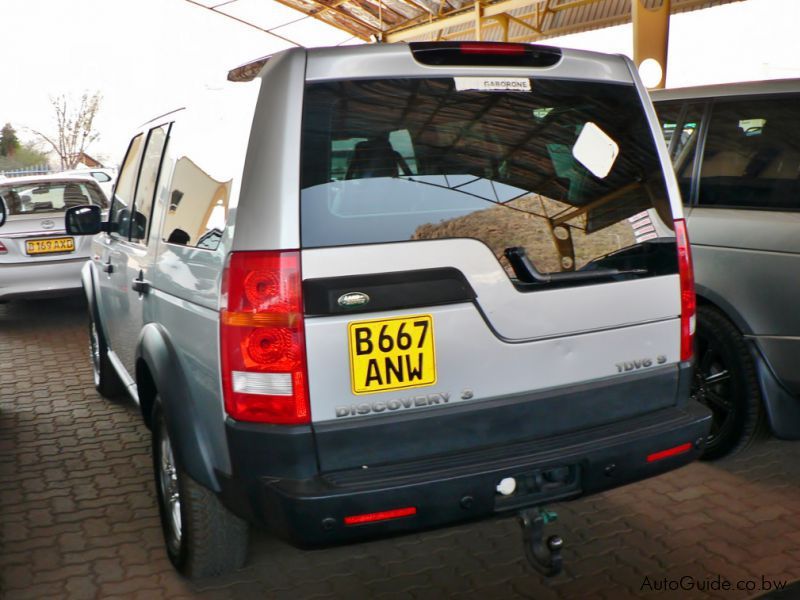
x=478, y=19
x=651, y=36
x=502, y=20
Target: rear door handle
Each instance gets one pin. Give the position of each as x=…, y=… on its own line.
x=140, y=285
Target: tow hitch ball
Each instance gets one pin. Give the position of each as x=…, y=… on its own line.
x=543, y=555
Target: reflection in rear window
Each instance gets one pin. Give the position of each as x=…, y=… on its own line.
x=49, y=196
x=411, y=159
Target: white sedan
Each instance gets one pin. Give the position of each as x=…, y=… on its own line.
x=37, y=258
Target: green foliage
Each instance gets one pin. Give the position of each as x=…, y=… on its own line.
x=26, y=156
x=9, y=144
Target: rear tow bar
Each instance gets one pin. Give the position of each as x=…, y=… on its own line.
x=543, y=555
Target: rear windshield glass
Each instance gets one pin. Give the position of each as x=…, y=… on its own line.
x=567, y=170
x=50, y=196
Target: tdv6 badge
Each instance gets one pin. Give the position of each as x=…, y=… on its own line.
x=640, y=363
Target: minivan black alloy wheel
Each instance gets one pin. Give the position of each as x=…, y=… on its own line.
x=724, y=379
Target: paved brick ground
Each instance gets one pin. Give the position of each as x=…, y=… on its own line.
x=78, y=516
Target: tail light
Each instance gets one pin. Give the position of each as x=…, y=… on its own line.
x=3, y=249
x=688, y=299
x=262, y=340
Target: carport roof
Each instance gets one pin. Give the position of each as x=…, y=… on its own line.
x=415, y=20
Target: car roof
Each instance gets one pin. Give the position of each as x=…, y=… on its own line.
x=14, y=181
x=744, y=88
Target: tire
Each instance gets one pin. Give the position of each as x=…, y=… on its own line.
x=106, y=380
x=724, y=379
x=202, y=537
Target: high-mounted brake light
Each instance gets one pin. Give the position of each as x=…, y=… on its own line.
x=262, y=339
x=491, y=48
x=384, y=515
x=484, y=54
x=688, y=299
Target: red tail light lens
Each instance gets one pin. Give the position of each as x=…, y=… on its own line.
x=688, y=299
x=3, y=249
x=262, y=339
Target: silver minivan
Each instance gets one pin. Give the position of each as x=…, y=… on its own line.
x=736, y=149
x=386, y=288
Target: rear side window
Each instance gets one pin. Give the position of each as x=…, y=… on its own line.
x=148, y=178
x=122, y=202
x=680, y=124
x=566, y=170
x=752, y=155
x=50, y=196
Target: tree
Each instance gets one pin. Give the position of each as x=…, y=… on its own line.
x=74, y=127
x=9, y=144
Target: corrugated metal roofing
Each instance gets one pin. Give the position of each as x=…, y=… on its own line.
x=396, y=20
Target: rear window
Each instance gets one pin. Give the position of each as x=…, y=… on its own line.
x=567, y=170
x=50, y=196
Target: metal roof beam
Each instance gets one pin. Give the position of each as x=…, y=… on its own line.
x=466, y=15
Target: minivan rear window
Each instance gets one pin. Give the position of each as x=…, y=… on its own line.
x=567, y=170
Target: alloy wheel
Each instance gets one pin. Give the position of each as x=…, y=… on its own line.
x=170, y=493
x=94, y=352
x=712, y=386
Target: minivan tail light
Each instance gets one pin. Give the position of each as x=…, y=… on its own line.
x=688, y=299
x=262, y=338
x=3, y=249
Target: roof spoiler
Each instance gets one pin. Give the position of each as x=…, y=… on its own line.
x=248, y=71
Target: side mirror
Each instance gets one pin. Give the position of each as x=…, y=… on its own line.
x=83, y=220
x=2, y=212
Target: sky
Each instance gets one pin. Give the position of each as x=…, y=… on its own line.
x=150, y=56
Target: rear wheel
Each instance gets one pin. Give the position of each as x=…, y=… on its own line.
x=106, y=380
x=725, y=380
x=202, y=537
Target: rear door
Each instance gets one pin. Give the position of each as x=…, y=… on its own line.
x=465, y=250
x=138, y=252
x=131, y=256
x=745, y=225
x=111, y=251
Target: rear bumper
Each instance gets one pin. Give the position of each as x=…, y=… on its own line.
x=39, y=279
x=450, y=489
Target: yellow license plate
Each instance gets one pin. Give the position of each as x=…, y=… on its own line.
x=50, y=246
x=391, y=354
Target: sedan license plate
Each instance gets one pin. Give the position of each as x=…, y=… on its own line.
x=391, y=354
x=50, y=246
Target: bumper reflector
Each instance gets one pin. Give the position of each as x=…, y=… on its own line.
x=384, y=515
x=682, y=449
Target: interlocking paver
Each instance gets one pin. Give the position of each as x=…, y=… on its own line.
x=78, y=516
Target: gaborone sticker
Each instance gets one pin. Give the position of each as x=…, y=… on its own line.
x=595, y=150
x=493, y=84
